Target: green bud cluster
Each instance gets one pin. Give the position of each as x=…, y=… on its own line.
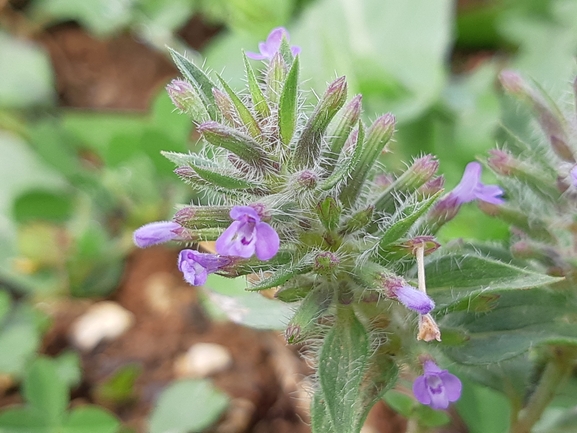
x=347, y=242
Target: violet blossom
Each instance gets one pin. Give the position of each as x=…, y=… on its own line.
x=156, y=233
x=196, y=266
x=573, y=175
x=471, y=188
x=436, y=388
x=410, y=297
x=271, y=46
x=248, y=235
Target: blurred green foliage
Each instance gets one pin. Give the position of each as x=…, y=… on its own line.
x=75, y=184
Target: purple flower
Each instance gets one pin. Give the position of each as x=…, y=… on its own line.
x=270, y=47
x=156, y=233
x=471, y=188
x=573, y=175
x=196, y=266
x=436, y=387
x=407, y=295
x=248, y=235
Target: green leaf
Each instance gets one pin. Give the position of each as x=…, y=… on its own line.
x=68, y=368
x=187, y=405
x=44, y=390
x=517, y=321
x=400, y=403
x=283, y=274
x=19, y=340
x=38, y=204
x=90, y=419
x=408, y=218
x=225, y=180
x=313, y=306
x=27, y=78
x=329, y=213
x=342, y=363
x=199, y=79
x=476, y=402
x=227, y=298
x=452, y=277
x=380, y=376
x=287, y=112
x=23, y=420
x=243, y=112
x=258, y=100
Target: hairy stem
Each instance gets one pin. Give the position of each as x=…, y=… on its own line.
x=556, y=371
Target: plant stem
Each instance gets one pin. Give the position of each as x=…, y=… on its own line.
x=557, y=369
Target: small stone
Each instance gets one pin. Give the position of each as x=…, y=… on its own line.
x=104, y=320
x=203, y=360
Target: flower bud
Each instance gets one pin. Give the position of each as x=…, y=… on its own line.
x=326, y=263
x=156, y=233
x=313, y=306
x=309, y=144
x=187, y=100
x=432, y=187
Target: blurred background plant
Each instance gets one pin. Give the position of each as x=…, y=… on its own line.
x=84, y=116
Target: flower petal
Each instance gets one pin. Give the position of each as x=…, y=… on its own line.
x=421, y=391
x=439, y=400
x=255, y=56
x=267, y=241
x=225, y=244
x=453, y=385
x=238, y=212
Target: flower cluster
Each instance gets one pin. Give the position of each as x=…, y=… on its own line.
x=301, y=201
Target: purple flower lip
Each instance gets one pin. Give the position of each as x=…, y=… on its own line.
x=271, y=46
x=436, y=388
x=156, y=233
x=248, y=236
x=197, y=266
x=471, y=188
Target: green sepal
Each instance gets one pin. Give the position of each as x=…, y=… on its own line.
x=342, y=365
x=203, y=217
x=339, y=135
x=453, y=277
x=226, y=180
x=285, y=51
x=287, y=112
x=342, y=172
x=188, y=175
x=402, y=226
x=283, y=274
x=407, y=183
x=308, y=147
x=243, y=112
x=378, y=135
x=258, y=100
x=275, y=77
x=357, y=221
x=253, y=265
x=329, y=213
x=243, y=146
x=313, y=306
x=189, y=159
x=198, y=79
